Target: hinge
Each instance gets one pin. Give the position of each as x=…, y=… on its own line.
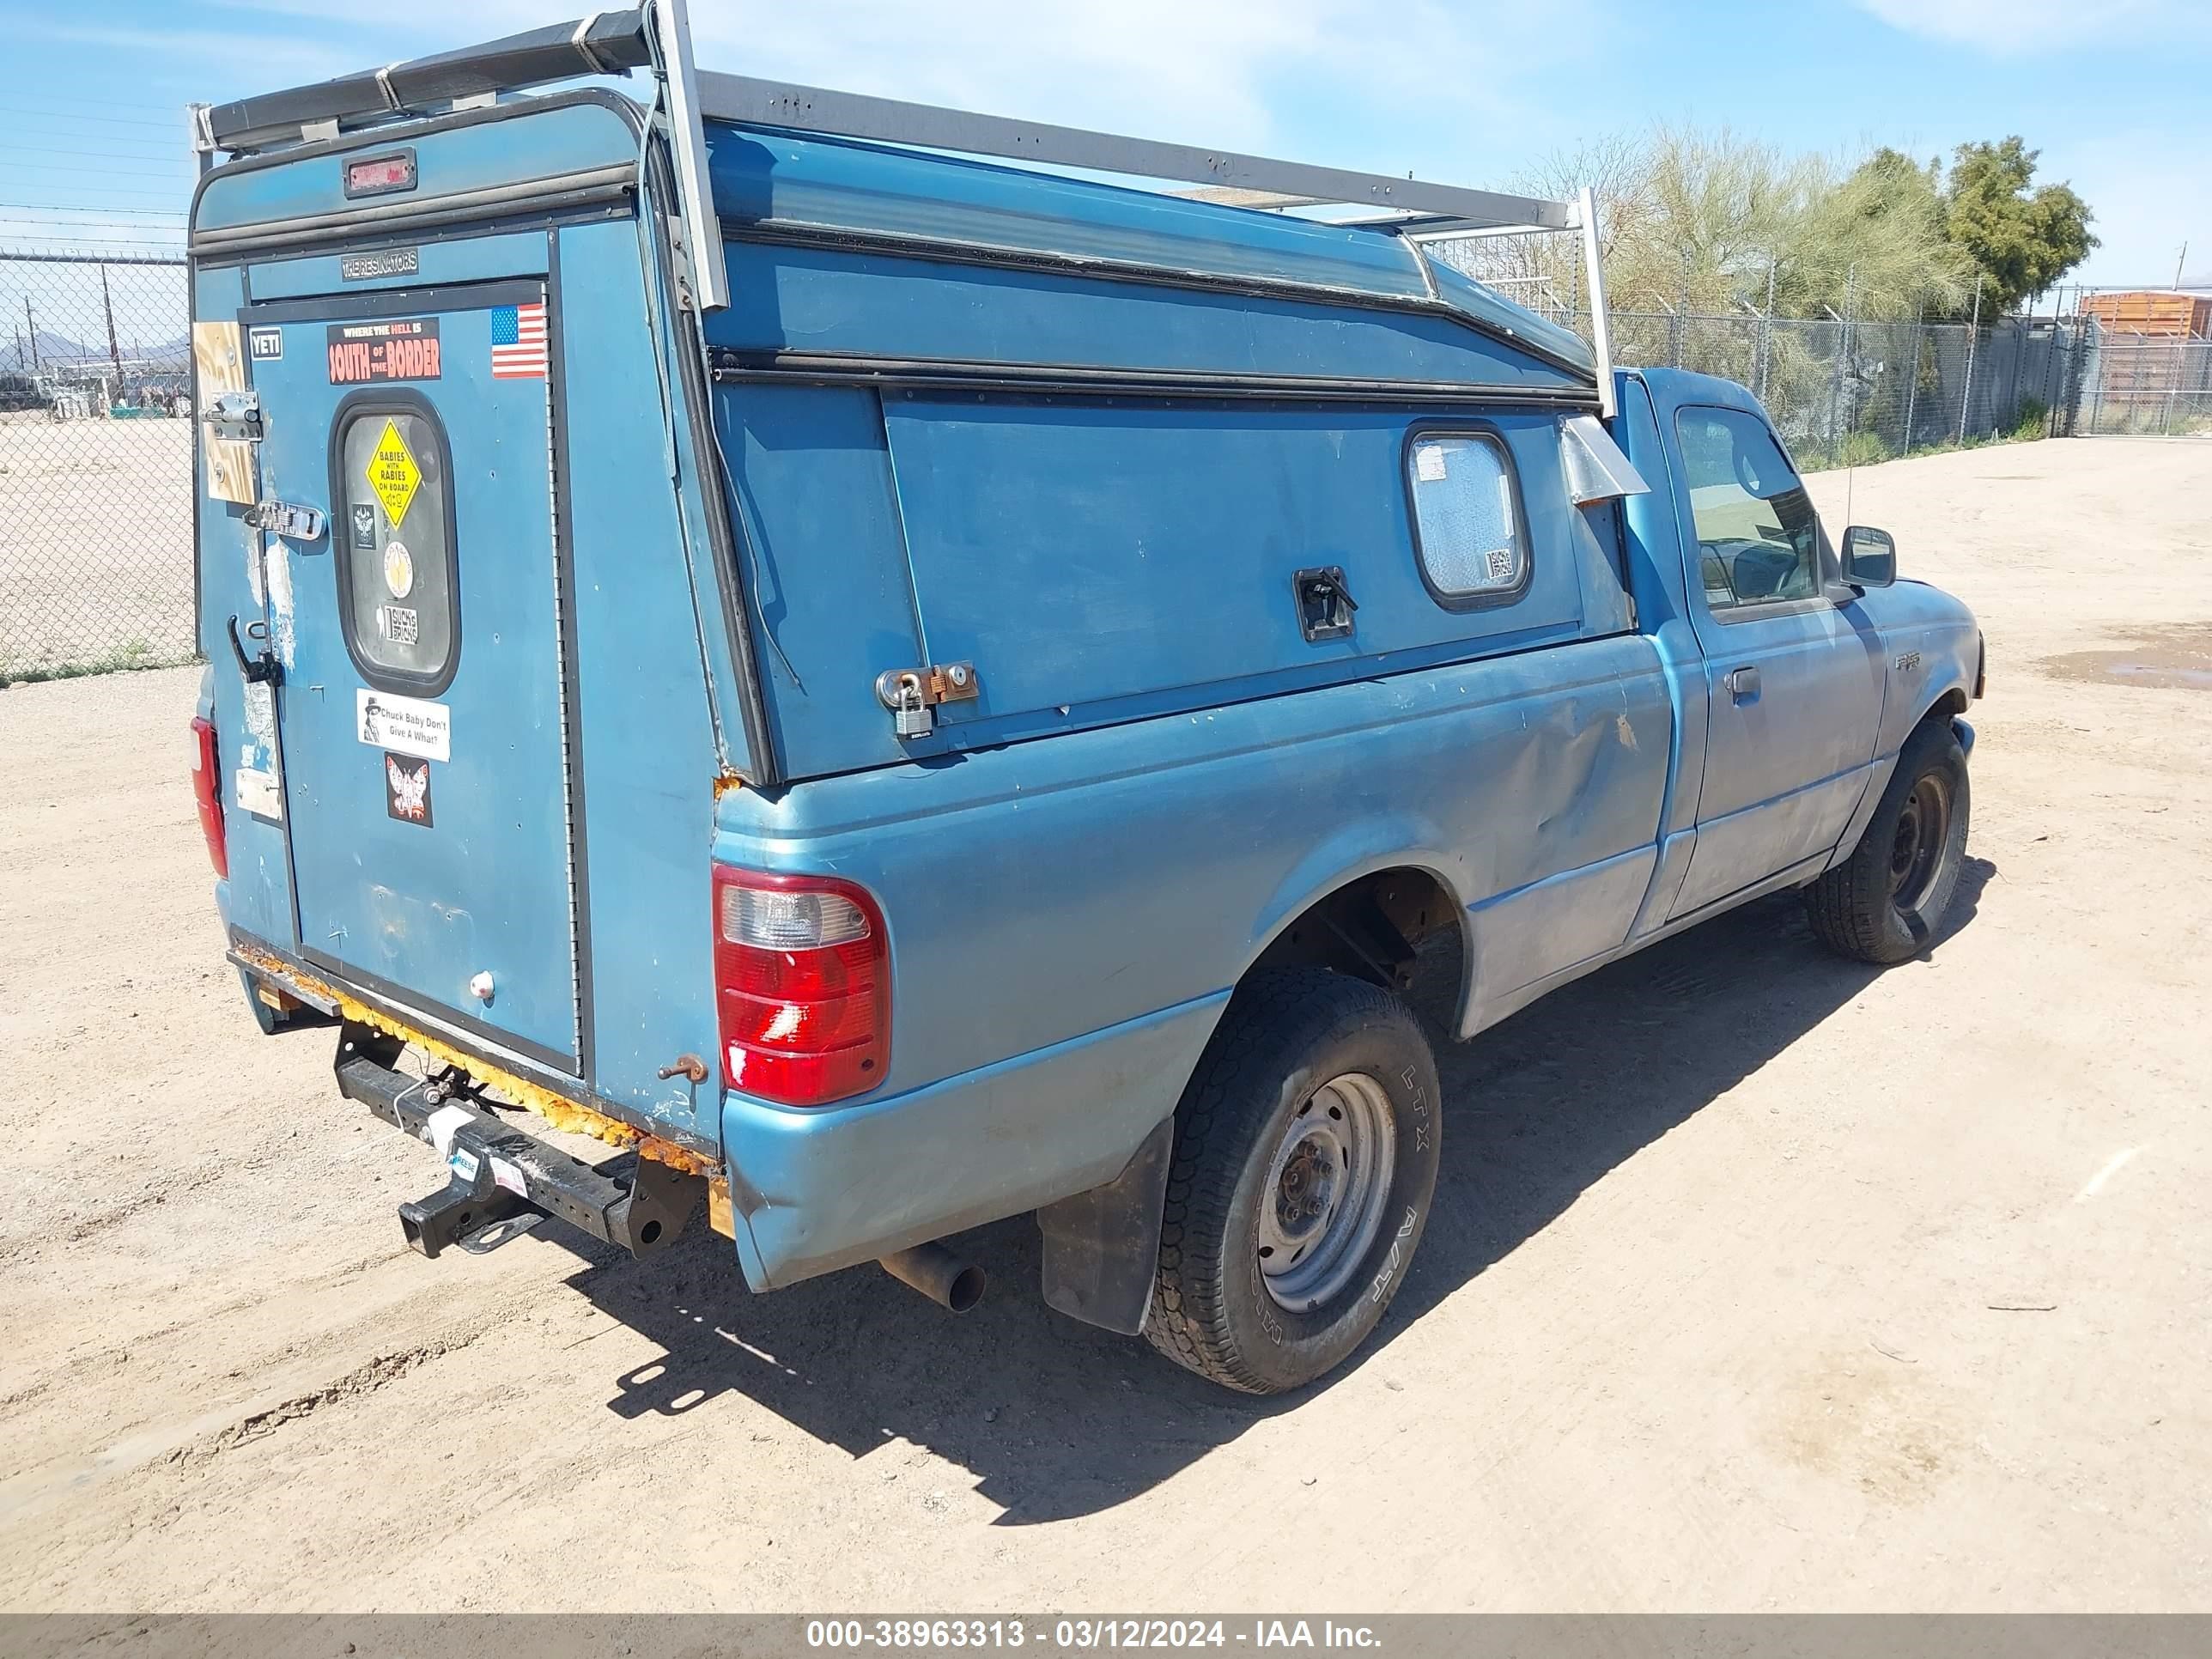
x=911, y=693
x=235, y=417
x=294, y=523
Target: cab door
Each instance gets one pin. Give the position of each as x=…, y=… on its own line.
x=1793, y=680
x=423, y=714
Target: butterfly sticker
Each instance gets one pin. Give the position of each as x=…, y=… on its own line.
x=407, y=789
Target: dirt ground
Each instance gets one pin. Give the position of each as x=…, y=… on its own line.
x=1759, y=1281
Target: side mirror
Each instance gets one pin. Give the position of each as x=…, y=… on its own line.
x=1870, y=557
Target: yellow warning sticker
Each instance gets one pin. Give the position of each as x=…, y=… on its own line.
x=392, y=473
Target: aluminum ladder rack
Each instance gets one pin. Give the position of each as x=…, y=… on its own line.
x=657, y=37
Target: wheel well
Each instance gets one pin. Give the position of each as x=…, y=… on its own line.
x=1371, y=928
x=1950, y=706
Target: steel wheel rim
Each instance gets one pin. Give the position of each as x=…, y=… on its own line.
x=1924, y=830
x=1328, y=1187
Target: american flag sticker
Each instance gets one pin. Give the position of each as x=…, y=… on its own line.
x=518, y=342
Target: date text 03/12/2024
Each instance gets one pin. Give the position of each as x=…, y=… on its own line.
x=1084, y=1635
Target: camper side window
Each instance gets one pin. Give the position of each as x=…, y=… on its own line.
x=393, y=538
x=1467, y=531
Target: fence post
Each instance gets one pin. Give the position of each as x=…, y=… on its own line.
x=2094, y=335
x=1766, y=332
x=1836, y=377
x=1973, y=336
x=1912, y=379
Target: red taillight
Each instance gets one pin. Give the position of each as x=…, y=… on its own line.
x=802, y=977
x=207, y=789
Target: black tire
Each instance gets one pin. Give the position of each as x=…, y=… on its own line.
x=1286, y=1034
x=1889, y=899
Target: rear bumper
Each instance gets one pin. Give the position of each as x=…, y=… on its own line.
x=812, y=1192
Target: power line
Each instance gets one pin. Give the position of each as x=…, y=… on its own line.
x=96, y=241
x=65, y=208
x=92, y=154
x=64, y=220
x=75, y=206
x=80, y=114
x=109, y=173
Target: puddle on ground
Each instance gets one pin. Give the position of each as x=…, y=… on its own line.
x=2177, y=658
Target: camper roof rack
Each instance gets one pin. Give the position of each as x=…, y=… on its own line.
x=657, y=36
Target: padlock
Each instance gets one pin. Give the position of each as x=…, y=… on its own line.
x=910, y=715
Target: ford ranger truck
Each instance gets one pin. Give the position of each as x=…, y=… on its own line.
x=896, y=689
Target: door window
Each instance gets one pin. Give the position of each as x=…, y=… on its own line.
x=1758, y=538
x=1467, y=522
x=392, y=535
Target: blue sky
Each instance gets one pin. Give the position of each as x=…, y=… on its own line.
x=2113, y=91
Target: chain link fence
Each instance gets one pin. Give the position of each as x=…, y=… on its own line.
x=2143, y=385
x=96, y=419
x=1844, y=393
x=96, y=464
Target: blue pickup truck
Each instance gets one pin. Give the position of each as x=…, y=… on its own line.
x=896, y=690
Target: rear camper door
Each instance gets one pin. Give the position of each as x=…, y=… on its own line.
x=422, y=715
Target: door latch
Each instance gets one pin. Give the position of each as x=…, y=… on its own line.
x=294, y=524
x=235, y=417
x=262, y=668
x=1325, y=603
x=1743, y=684
x=912, y=693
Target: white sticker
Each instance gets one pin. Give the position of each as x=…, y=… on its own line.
x=1429, y=463
x=398, y=568
x=509, y=1175
x=445, y=1123
x=405, y=725
x=256, y=792
x=266, y=345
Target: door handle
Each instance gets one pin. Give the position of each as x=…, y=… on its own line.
x=262, y=668
x=1743, y=684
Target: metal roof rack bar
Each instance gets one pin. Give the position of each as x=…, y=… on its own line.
x=752, y=102
x=615, y=42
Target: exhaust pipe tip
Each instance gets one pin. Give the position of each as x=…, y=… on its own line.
x=951, y=1282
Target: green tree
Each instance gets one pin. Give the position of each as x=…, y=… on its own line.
x=2021, y=241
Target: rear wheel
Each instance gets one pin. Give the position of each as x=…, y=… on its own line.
x=1305, y=1157
x=1885, y=902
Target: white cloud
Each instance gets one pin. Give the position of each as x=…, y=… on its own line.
x=1414, y=84
x=2010, y=27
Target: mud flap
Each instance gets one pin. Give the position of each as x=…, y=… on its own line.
x=1102, y=1247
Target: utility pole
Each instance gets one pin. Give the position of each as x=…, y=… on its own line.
x=31, y=328
x=2180, y=260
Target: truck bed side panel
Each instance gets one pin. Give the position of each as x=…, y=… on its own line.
x=1054, y=901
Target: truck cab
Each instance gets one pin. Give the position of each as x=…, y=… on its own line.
x=894, y=690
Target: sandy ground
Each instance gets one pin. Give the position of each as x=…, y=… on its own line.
x=1760, y=1281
